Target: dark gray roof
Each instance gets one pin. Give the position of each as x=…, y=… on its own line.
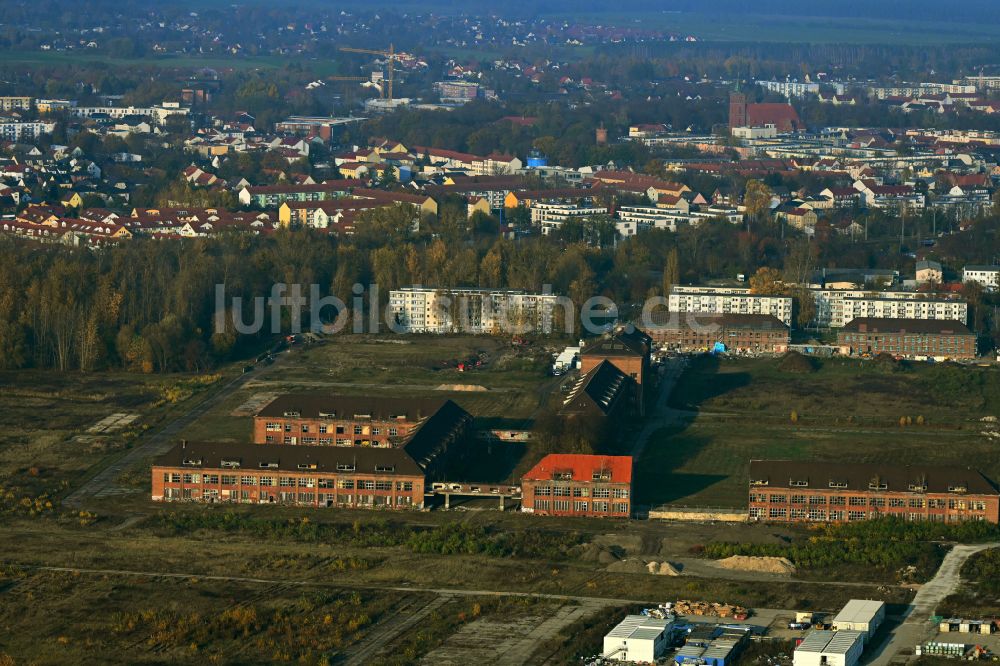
x=365, y=460
x=860, y=476
x=673, y=321
x=311, y=405
x=600, y=389
x=630, y=342
x=924, y=326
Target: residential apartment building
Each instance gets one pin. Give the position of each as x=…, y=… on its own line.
x=656, y=217
x=699, y=332
x=798, y=491
x=791, y=88
x=313, y=476
x=836, y=307
x=272, y=196
x=728, y=300
x=564, y=484
x=15, y=103
x=317, y=419
x=24, y=131
x=425, y=310
x=550, y=216
x=919, y=339
x=988, y=276
x=159, y=113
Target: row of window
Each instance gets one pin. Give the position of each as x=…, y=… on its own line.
x=781, y=513
x=323, y=429
x=895, y=502
x=580, y=506
x=285, y=497
x=581, y=491
x=326, y=441
x=285, y=482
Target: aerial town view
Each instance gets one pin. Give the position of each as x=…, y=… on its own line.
x=553, y=332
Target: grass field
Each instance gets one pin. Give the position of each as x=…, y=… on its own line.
x=55, y=427
x=740, y=409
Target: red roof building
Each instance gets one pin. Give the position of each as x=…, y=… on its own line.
x=565, y=484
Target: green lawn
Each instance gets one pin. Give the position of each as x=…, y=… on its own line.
x=846, y=411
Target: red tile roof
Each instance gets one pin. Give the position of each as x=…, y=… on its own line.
x=582, y=467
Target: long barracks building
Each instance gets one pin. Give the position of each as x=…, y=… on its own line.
x=796, y=491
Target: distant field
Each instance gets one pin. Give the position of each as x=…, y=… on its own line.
x=845, y=410
x=799, y=29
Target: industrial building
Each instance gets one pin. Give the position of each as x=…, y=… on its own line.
x=860, y=615
x=629, y=350
x=919, y=339
x=800, y=491
x=331, y=420
x=567, y=484
x=315, y=476
x=712, y=646
x=638, y=638
x=698, y=332
x=829, y=648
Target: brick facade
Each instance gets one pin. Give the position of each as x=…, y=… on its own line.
x=792, y=491
x=579, y=485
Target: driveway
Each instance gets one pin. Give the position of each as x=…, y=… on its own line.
x=917, y=626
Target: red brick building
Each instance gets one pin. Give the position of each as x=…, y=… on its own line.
x=782, y=116
x=579, y=485
x=315, y=419
x=696, y=331
x=909, y=338
x=628, y=350
x=795, y=491
x=301, y=475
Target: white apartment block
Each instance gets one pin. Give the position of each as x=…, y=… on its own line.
x=426, y=310
x=158, y=113
x=551, y=216
x=24, y=131
x=496, y=165
x=727, y=300
x=790, y=88
x=988, y=276
x=836, y=307
x=653, y=217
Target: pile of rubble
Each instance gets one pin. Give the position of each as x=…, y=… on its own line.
x=710, y=609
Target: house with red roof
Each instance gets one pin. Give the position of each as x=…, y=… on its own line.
x=572, y=484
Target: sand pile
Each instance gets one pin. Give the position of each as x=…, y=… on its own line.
x=775, y=565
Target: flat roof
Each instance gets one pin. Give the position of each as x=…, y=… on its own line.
x=639, y=626
x=859, y=610
x=829, y=642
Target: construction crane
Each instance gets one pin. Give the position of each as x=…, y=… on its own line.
x=391, y=57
